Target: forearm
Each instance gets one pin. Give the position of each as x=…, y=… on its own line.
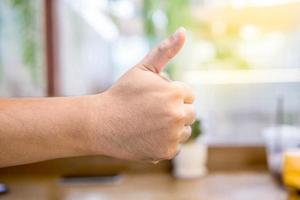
x=35, y=129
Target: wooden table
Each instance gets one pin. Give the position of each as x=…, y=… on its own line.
x=225, y=186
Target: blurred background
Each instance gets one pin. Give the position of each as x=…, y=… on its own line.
x=242, y=58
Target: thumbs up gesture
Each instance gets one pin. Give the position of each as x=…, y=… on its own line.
x=144, y=116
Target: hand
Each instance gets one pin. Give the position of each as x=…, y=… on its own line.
x=146, y=115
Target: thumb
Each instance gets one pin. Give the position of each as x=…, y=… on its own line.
x=157, y=59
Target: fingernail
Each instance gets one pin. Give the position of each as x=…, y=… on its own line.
x=177, y=33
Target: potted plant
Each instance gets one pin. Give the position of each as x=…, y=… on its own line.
x=191, y=160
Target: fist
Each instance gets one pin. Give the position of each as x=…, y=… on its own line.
x=146, y=116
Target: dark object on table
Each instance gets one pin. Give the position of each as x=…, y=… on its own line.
x=3, y=189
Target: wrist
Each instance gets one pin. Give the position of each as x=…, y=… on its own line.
x=96, y=123
x=79, y=110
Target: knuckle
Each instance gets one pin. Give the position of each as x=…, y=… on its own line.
x=179, y=91
x=162, y=47
x=189, y=130
x=173, y=153
x=177, y=136
x=193, y=112
x=176, y=95
x=177, y=116
x=192, y=97
x=170, y=154
x=178, y=87
x=186, y=91
x=193, y=116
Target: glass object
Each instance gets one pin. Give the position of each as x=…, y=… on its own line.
x=280, y=139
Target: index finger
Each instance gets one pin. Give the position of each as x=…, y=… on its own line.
x=188, y=94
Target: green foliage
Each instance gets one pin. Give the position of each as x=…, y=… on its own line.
x=176, y=11
x=226, y=52
x=28, y=27
x=149, y=7
x=196, y=130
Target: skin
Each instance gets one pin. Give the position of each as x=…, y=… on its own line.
x=143, y=117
